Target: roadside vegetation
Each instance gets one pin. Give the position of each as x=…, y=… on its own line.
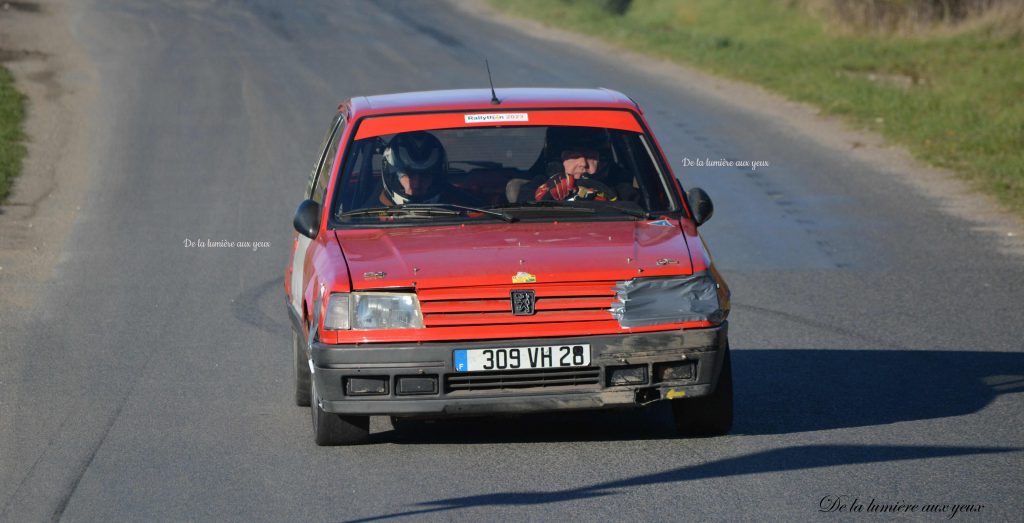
x=945, y=78
x=12, y=114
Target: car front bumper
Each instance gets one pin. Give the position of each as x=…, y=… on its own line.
x=673, y=364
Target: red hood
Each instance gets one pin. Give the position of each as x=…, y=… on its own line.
x=491, y=254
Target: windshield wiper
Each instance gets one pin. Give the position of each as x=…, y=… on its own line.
x=639, y=213
x=398, y=209
x=461, y=209
x=445, y=209
x=557, y=205
x=584, y=205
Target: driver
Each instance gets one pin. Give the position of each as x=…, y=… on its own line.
x=413, y=170
x=580, y=170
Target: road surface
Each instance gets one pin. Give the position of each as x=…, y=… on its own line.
x=877, y=339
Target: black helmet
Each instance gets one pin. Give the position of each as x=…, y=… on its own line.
x=413, y=153
x=559, y=139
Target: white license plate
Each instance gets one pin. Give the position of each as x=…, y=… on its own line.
x=544, y=357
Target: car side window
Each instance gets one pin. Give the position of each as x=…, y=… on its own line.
x=322, y=156
x=327, y=163
x=364, y=180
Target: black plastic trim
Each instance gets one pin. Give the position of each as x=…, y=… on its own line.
x=537, y=390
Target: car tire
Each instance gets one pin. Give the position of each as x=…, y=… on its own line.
x=707, y=415
x=331, y=429
x=300, y=366
x=398, y=423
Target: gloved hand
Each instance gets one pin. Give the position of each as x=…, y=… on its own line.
x=559, y=185
x=591, y=189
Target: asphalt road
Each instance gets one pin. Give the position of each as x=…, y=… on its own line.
x=877, y=340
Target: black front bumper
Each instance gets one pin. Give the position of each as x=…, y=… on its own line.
x=675, y=364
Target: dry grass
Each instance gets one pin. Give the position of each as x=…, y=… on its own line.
x=919, y=18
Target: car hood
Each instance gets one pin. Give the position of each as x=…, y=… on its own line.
x=496, y=254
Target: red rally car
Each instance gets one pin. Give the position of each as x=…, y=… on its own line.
x=472, y=252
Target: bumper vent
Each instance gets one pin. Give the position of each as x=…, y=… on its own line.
x=524, y=379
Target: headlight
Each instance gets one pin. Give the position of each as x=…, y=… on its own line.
x=654, y=301
x=386, y=311
x=373, y=310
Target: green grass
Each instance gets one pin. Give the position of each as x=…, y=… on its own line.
x=954, y=98
x=12, y=114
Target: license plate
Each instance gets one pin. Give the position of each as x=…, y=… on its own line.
x=545, y=357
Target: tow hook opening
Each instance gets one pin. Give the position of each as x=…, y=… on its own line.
x=648, y=395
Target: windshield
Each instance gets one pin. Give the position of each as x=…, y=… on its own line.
x=511, y=173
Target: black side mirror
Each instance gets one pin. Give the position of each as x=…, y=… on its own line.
x=700, y=205
x=307, y=219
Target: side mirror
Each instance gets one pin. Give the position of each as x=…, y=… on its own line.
x=307, y=219
x=700, y=205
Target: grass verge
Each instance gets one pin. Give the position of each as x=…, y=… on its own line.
x=12, y=115
x=954, y=98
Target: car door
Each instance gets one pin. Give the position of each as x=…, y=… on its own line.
x=316, y=186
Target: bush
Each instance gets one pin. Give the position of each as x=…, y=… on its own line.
x=615, y=7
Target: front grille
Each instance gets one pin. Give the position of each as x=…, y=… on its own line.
x=522, y=379
x=492, y=305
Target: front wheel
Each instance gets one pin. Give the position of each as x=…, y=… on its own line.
x=707, y=415
x=331, y=429
x=300, y=369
